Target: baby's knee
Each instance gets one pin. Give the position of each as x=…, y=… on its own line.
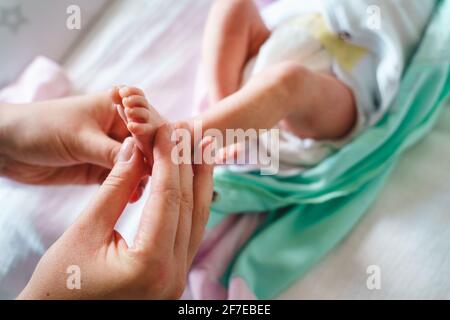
x=289, y=74
x=288, y=79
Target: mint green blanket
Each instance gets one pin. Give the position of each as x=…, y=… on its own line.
x=311, y=213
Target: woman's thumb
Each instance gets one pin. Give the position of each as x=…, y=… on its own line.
x=115, y=192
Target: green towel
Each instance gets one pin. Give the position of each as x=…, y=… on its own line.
x=310, y=213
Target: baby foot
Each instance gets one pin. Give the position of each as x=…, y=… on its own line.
x=141, y=119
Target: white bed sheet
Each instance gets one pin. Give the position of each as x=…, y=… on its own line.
x=156, y=45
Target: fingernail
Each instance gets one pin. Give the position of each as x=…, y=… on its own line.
x=126, y=151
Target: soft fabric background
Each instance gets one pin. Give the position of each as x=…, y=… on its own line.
x=156, y=44
x=27, y=31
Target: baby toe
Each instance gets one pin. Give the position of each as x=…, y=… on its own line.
x=130, y=91
x=135, y=101
x=140, y=129
x=138, y=114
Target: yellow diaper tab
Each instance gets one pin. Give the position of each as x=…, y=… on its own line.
x=346, y=54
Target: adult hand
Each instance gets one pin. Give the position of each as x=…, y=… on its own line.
x=171, y=229
x=73, y=140
x=234, y=33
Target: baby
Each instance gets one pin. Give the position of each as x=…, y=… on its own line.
x=328, y=70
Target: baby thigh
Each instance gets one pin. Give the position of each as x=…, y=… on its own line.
x=322, y=106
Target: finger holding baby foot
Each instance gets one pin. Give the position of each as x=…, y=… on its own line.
x=114, y=94
x=139, y=191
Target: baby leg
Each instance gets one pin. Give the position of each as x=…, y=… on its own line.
x=141, y=119
x=310, y=104
x=321, y=106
